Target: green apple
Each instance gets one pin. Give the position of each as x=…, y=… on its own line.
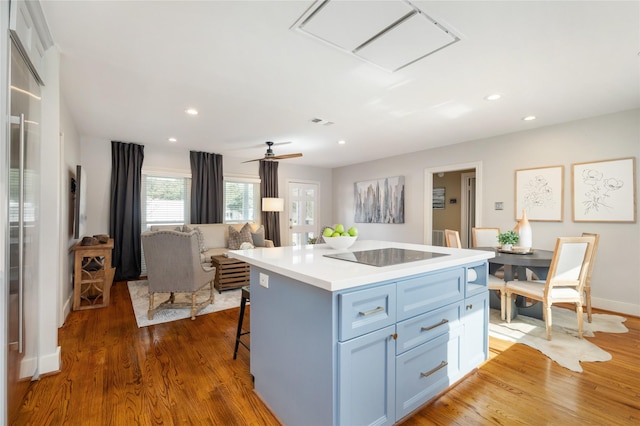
x=339, y=228
x=328, y=232
x=344, y=234
x=353, y=231
x=335, y=234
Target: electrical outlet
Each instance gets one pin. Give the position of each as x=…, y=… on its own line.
x=499, y=205
x=264, y=280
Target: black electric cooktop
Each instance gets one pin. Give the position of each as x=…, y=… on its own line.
x=386, y=256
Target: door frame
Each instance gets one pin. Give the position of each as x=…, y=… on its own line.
x=464, y=209
x=428, y=193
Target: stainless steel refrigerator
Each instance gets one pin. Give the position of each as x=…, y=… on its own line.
x=23, y=213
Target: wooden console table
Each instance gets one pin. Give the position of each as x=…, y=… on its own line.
x=92, y=275
x=230, y=273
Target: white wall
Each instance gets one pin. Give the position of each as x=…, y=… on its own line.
x=70, y=158
x=50, y=235
x=96, y=159
x=616, y=279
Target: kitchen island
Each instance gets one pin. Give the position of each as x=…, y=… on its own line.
x=338, y=342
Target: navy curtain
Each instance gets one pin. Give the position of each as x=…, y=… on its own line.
x=269, y=188
x=207, y=186
x=125, y=209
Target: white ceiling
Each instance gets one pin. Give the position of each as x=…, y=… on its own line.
x=130, y=69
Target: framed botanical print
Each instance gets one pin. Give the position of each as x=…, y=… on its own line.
x=539, y=191
x=604, y=191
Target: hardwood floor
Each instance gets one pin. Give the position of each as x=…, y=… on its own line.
x=182, y=373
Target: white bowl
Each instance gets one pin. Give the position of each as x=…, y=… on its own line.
x=339, y=243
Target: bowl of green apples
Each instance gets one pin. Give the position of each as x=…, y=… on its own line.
x=338, y=238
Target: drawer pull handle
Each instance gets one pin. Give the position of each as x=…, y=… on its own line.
x=373, y=311
x=443, y=322
x=442, y=365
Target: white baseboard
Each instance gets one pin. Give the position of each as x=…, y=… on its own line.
x=616, y=306
x=66, y=310
x=50, y=363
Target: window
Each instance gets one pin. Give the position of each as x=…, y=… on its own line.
x=241, y=200
x=165, y=199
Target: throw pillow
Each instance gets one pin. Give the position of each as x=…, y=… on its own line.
x=201, y=244
x=236, y=238
x=258, y=237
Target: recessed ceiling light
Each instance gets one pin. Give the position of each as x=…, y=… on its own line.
x=342, y=142
x=493, y=97
x=173, y=140
x=529, y=118
x=191, y=111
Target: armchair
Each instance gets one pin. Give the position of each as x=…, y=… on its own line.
x=173, y=266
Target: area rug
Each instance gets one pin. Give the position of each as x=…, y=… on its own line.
x=138, y=290
x=565, y=348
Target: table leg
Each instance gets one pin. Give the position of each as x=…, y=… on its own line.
x=509, y=273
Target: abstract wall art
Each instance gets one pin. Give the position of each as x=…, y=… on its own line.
x=379, y=200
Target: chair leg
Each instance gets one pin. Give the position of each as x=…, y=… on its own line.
x=580, y=319
x=150, y=311
x=548, y=320
x=587, y=292
x=508, y=303
x=243, y=304
x=503, y=303
x=194, y=308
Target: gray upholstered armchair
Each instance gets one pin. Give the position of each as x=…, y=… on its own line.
x=173, y=266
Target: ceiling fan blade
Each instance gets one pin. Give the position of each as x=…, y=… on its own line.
x=249, y=161
x=274, y=144
x=282, y=157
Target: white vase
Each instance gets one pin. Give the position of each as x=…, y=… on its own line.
x=524, y=232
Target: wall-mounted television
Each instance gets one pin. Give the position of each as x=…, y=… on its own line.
x=80, y=203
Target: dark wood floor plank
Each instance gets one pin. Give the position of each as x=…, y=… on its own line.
x=183, y=372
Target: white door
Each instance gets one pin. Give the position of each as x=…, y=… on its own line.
x=302, y=212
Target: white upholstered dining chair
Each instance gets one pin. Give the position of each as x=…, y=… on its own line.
x=452, y=238
x=565, y=281
x=485, y=237
x=592, y=261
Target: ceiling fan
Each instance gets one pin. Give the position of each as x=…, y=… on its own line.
x=269, y=155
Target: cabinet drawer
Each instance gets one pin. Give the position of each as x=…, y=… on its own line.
x=420, y=329
x=367, y=310
x=425, y=371
x=426, y=292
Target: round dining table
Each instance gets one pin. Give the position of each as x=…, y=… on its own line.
x=516, y=265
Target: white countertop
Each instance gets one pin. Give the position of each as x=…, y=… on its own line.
x=307, y=263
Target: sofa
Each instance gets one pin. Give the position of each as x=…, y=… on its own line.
x=214, y=237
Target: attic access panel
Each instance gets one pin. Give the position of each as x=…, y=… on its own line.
x=389, y=34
